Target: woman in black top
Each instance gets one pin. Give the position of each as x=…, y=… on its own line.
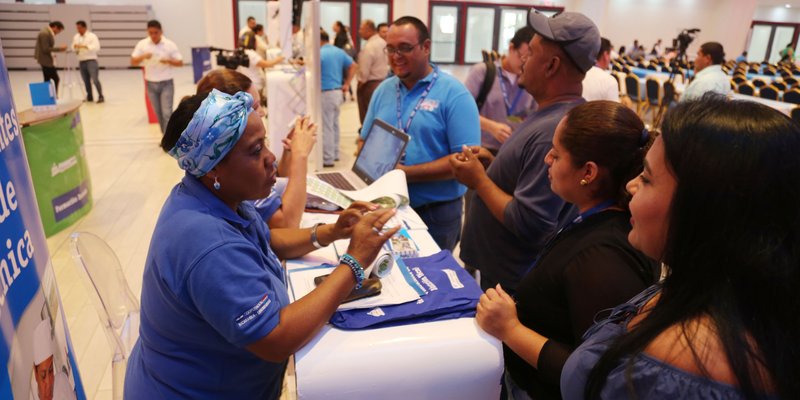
x=340, y=40
x=588, y=266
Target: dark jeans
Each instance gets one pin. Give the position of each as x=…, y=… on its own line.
x=364, y=92
x=89, y=72
x=50, y=73
x=444, y=221
x=160, y=95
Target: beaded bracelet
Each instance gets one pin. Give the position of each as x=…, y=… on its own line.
x=356, y=267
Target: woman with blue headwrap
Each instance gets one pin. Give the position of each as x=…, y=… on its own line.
x=215, y=315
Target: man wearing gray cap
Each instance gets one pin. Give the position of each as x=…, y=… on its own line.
x=514, y=211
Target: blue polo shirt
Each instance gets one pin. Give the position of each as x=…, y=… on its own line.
x=333, y=62
x=446, y=120
x=211, y=286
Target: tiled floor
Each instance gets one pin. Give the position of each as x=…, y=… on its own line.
x=131, y=177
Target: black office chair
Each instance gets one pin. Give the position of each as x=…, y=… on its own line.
x=759, y=83
x=632, y=87
x=768, y=92
x=779, y=85
x=652, y=87
x=792, y=96
x=747, y=88
x=796, y=114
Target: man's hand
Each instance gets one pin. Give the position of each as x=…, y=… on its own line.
x=467, y=169
x=483, y=154
x=500, y=131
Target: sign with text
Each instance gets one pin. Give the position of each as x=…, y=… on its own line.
x=35, y=347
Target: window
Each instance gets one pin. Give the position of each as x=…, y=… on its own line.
x=461, y=30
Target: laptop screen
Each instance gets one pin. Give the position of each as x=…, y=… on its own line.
x=381, y=151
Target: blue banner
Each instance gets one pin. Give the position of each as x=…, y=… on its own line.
x=35, y=347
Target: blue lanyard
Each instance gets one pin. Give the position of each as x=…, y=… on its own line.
x=419, y=102
x=580, y=218
x=509, y=106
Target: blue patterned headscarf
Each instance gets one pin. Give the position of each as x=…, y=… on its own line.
x=213, y=131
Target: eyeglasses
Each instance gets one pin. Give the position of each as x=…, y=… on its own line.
x=403, y=49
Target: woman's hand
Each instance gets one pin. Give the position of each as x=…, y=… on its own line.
x=350, y=217
x=368, y=236
x=303, y=137
x=497, y=313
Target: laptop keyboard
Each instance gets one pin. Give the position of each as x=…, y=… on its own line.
x=336, y=180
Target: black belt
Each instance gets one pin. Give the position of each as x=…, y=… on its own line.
x=435, y=204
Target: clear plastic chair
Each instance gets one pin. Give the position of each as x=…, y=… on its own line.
x=116, y=305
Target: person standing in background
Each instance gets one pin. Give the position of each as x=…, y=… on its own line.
x=45, y=47
x=86, y=45
x=261, y=41
x=250, y=27
x=656, y=48
x=372, y=66
x=334, y=64
x=159, y=56
x=383, y=29
x=506, y=104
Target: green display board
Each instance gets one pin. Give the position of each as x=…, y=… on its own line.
x=58, y=167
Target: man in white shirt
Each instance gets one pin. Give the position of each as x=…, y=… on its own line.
x=86, y=46
x=159, y=56
x=372, y=65
x=383, y=30
x=598, y=83
x=708, y=74
x=250, y=27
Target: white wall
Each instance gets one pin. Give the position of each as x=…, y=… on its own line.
x=188, y=23
x=621, y=21
x=777, y=14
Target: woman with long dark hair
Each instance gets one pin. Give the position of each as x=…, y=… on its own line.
x=589, y=265
x=719, y=203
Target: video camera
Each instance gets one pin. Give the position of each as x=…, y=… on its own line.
x=231, y=58
x=684, y=39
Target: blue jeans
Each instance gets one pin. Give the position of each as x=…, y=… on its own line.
x=444, y=221
x=331, y=101
x=160, y=95
x=89, y=73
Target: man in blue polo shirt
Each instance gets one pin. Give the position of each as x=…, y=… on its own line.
x=334, y=63
x=439, y=114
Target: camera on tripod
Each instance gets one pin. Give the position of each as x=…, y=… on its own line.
x=231, y=58
x=681, y=43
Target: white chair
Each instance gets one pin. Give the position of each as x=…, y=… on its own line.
x=116, y=305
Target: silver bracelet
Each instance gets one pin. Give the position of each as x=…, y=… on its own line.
x=314, y=241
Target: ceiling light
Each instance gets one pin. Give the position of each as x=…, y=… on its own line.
x=788, y=6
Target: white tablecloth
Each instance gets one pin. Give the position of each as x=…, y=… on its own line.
x=286, y=98
x=451, y=359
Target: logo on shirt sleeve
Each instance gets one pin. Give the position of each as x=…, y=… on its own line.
x=253, y=312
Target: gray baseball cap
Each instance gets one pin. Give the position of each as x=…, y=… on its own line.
x=575, y=33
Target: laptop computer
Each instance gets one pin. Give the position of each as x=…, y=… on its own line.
x=382, y=150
